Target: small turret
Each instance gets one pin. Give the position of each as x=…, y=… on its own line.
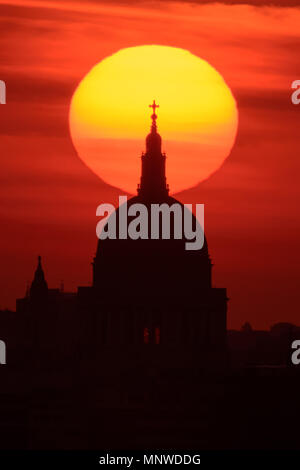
x=39, y=286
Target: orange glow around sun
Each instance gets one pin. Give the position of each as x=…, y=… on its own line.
x=110, y=118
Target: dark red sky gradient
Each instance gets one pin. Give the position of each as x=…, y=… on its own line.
x=49, y=197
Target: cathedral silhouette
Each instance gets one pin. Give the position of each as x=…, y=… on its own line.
x=151, y=302
x=139, y=359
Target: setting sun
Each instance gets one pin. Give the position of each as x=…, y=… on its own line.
x=110, y=118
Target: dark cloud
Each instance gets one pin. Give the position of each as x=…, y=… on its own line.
x=257, y=3
x=266, y=100
x=39, y=10
x=38, y=89
x=36, y=105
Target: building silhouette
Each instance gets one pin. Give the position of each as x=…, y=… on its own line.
x=141, y=358
x=147, y=294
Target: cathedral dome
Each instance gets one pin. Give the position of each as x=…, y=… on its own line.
x=158, y=268
x=172, y=247
x=153, y=267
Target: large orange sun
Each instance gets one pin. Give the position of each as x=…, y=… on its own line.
x=109, y=115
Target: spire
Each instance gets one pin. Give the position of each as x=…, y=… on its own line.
x=153, y=116
x=39, y=287
x=153, y=180
x=39, y=273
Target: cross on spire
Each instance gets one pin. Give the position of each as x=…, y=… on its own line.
x=154, y=106
x=154, y=116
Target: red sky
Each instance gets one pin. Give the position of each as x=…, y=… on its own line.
x=49, y=197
